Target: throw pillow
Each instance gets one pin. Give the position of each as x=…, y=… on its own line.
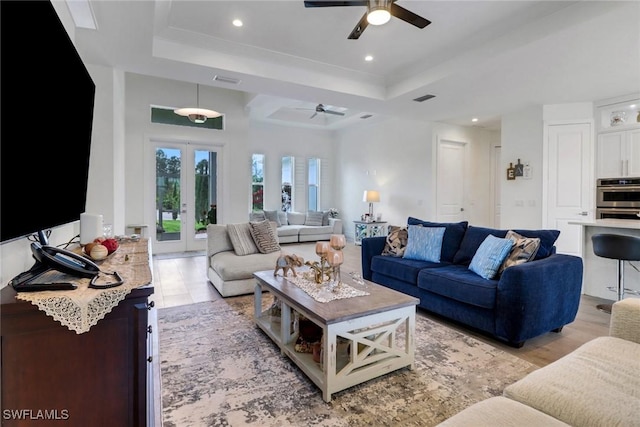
x=524, y=249
x=313, y=218
x=396, y=241
x=325, y=217
x=264, y=236
x=424, y=243
x=241, y=239
x=282, y=218
x=272, y=216
x=489, y=256
x=453, y=234
x=257, y=216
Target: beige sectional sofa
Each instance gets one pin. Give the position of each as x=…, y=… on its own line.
x=296, y=227
x=229, y=273
x=598, y=384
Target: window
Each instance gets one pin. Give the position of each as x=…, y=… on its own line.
x=287, y=183
x=314, y=184
x=257, y=182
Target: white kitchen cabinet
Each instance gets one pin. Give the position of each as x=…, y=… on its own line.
x=619, y=154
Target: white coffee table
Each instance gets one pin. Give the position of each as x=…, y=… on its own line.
x=370, y=325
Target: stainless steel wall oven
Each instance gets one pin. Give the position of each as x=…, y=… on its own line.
x=618, y=198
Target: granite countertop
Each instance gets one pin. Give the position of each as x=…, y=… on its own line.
x=630, y=224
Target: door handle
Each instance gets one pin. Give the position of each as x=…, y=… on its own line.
x=583, y=213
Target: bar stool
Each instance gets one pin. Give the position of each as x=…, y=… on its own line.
x=621, y=248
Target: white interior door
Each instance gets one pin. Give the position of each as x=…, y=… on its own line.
x=450, y=181
x=570, y=183
x=185, y=194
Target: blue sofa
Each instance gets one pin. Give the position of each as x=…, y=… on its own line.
x=525, y=301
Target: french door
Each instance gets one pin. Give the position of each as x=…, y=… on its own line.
x=185, y=195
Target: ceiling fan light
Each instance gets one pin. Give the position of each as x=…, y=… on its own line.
x=197, y=118
x=197, y=115
x=378, y=15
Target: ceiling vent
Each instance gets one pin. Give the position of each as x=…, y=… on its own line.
x=424, y=98
x=224, y=79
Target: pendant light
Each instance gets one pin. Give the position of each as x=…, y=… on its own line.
x=197, y=114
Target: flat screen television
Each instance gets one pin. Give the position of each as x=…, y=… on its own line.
x=46, y=120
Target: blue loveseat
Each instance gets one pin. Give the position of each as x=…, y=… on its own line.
x=525, y=301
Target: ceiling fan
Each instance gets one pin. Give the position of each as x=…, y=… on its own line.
x=378, y=12
x=320, y=108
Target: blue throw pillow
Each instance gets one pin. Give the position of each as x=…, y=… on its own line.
x=424, y=243
x=453, y=234
x=490, y=255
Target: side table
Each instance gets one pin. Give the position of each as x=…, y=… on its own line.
x=369, y=229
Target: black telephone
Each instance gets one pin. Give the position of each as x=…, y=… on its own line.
x=64, y=260
x=52, y=258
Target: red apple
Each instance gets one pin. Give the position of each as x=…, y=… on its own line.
x=111, y=245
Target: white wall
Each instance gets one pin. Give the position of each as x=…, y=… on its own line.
x=397, y=158
x=521, y=199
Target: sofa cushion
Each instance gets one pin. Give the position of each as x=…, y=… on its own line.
x=490, y=256
x=282, y=219
x=289, y=230
x=314, y=219
x=453, y=234
x=310, y=231
x=241, y=239
x=595, y=385
x=325, y=217
x=474, y=236
x=272, y=216
x=424, y=243
x=459, y=283
x=257, y=216
x=296, y=218
x=400, y=268
x=396, y=241
x=265, y=237
x=498, y=411
x=229, y=266
x=524, y=249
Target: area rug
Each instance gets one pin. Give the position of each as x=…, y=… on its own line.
x=218, y=369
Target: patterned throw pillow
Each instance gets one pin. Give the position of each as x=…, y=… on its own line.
x=396, y=241
x=524, y=249
x=489, y=256
x=241, y=239
x=313, y=218
x=264, y=236
x=424, y=243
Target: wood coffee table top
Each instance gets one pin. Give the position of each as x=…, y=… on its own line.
x=379, y=299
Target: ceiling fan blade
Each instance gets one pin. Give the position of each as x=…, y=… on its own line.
x=357, y=31
x=336, y=113
x=325, y=3
x=407, y=16
x=315, y=113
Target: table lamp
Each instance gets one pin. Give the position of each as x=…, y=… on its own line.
x=371, y=196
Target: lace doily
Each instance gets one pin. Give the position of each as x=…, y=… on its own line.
x=326, y=291
x=83, y=307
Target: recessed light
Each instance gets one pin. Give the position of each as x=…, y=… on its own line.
x=237, y=23
x=632, y=106
x=368, y=58
x=475, y=119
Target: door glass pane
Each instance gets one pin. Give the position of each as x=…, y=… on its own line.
x=287, y=183
x=314, y=184
x=168, y=221
x=206, y=205
x=257, y=182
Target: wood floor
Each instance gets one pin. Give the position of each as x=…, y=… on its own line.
x=181, y=279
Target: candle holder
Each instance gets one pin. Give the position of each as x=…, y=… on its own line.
x=321, y=269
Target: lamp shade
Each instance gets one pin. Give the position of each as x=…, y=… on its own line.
x=371, y=196
x=197, y=114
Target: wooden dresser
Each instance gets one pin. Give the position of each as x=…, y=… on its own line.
x=53, y=376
